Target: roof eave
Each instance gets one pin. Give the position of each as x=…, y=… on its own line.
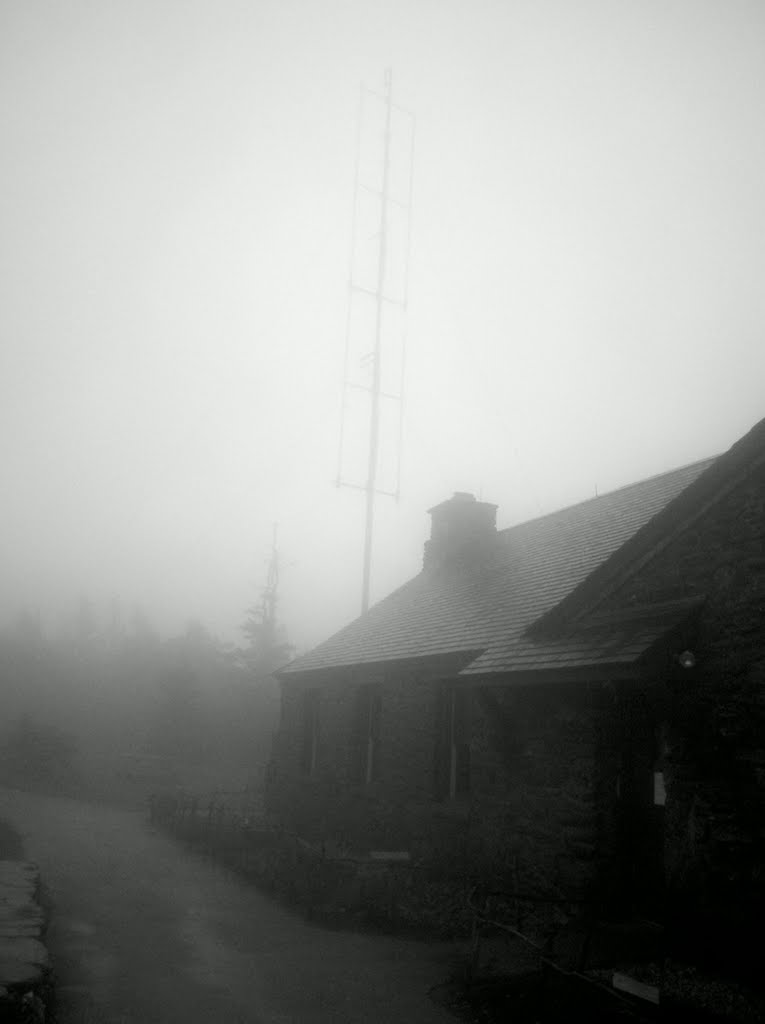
x=444, y=663
x=600, y=673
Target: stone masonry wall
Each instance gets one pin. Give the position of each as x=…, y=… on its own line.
x=715, y=758
x=535, y=820
x=531, y=820
x=397, y=809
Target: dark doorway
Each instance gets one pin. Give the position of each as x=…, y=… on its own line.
x=640, y=809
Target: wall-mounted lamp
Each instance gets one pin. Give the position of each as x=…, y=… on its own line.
x=687, y=659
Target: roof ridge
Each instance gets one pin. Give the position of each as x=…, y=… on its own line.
x=608, y=494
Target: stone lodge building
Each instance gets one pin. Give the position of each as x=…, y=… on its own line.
x=572, y=706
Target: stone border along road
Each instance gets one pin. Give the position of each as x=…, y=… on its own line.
x=23, y=957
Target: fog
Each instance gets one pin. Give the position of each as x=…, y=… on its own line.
x=585, y=287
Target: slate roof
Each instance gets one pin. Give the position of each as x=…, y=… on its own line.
x=485, y=611
x=616, y=645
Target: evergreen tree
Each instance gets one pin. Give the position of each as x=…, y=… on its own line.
x=269, y=647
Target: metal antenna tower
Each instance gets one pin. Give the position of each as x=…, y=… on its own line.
x=378, y=292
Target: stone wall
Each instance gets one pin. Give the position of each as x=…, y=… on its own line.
x=536, y=788
x=715, y=758
x=333, y=805
x=532, y=819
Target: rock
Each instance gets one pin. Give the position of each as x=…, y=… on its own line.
x=29, y=950
x=23, y=958
x=34, y=1006
x=18, y=974
x=23, y=931
x=14, y=872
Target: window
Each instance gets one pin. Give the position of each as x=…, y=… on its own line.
x=367, y=733
x=659, y=790
x=310, y=731
x=452, y=770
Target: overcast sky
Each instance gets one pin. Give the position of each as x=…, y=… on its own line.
x=586, y=300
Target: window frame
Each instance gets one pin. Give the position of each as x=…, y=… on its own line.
x=369, y=705
x=452, y=742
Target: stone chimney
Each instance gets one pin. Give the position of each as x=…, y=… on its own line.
x=462, y=532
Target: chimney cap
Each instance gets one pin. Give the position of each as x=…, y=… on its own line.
x=459, y=498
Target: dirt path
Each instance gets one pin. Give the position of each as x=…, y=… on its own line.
x=144, y=932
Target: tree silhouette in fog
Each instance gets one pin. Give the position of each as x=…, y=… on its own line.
x=268, y=646
x=115, y=710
